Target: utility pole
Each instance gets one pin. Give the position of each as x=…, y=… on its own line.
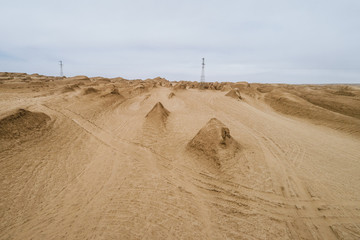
x=61, y=69
x=202, y=79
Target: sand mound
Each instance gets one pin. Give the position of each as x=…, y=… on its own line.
x=22, y=123
x=68, y=89
x=79, y=78
x=214, y=142
x=234, y=93
x=100, y=79
x=138, y=89
x=90, y=90
x=226, y=87
x=265, y=88
x=114, y=94
x=344, y=91
x=171, y=95
x=179, y=86
x=158, y=114
x=318, y=105
x=159, y=81
x=71, y=88
x=115, y=91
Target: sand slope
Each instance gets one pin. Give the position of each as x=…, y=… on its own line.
x=124, y=161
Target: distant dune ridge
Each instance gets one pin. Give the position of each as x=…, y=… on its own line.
x=79, y=78
x=110, y=158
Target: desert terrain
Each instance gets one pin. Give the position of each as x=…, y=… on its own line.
x=98, y=158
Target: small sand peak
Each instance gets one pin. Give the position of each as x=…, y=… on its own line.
x=234, y=93
x=214, y=141
x=158, y=111
x=171, y=95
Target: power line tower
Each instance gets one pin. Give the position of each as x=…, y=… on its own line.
x=61, y=69
x=202, y=79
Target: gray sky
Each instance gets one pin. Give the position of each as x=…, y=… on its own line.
x=290, y=41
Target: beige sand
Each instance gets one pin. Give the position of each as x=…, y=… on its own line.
x=85, y=158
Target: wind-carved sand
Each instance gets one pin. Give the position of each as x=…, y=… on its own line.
x=158, y=114
x=234, y=93
x=214, y=142
x=97, y=158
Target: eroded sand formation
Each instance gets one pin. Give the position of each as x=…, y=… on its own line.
x=234, y=93
x=97, y=158
x=214, y=142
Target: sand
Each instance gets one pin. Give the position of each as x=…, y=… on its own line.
x=234, y=93
x=84, y=158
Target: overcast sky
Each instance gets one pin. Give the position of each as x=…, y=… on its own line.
x=289, y=41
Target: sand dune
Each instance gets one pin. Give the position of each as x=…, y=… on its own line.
x=158, y=114
x=214, y=142
x=234, y=93
x=21, y=123
x=171, y=95
x=93, y=158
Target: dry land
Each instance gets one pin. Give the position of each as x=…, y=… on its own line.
x=97, y=158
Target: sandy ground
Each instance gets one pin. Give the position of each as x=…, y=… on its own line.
x=101, y=159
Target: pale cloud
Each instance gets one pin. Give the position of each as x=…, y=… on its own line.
x=257, y=41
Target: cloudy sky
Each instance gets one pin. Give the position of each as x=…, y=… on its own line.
x=297, y=41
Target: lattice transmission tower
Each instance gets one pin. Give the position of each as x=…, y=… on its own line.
x=61, y=69
x=202, y=78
